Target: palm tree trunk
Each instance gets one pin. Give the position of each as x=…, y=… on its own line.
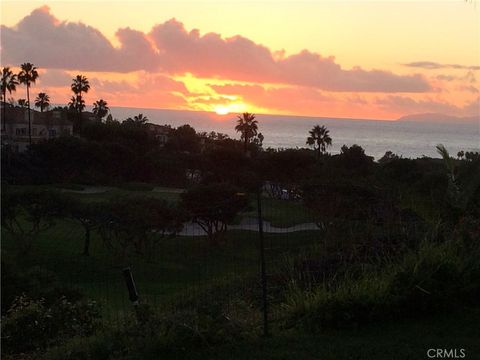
x=29, y=120
x=4, y=127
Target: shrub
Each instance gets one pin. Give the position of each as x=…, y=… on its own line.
x=32, y=325
x=434, y=278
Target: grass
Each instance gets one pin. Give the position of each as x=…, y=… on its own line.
x=177, y=266
x=401, y=340
x=281, y=213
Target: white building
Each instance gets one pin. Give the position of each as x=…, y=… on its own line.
x=44, y=126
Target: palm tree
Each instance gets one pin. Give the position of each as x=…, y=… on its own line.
x=248, y=126
x=9, y=83
x=28, y=75
x=22, y=103
x=76, y=104
x=320, y=139
x=100, y=109
x=42, y=101
x=140, y=119
x=79, y=86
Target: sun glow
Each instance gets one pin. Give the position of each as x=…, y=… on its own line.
x=222, y=110
x=225, y=109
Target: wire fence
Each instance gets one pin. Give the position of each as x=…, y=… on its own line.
x=246, y=276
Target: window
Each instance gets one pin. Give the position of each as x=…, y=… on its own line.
x=34, y=132
x=21, y=131
x=52, y=132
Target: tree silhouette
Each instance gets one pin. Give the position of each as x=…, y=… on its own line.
x=248, y=127
x=9, y=83
x=22, y=103
x=27, y=76
x=76, y=104
x=137, y=120
x=100, y=109
x=320, y=139
x=79, y=86
x=42, y=101
x=140, y=119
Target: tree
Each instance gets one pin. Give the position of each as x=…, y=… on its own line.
x=137, y=120
x=9, y=83
x=79, y=86
x=213, y=207
x=248, y=127
x=320, y=139
x=22, y=103
x=76, y=104
x=88, y=214
x=27, y=76
x=140, y=119
x=27, y=213
x=140, y=222
x=42, y=101
x=100, y=109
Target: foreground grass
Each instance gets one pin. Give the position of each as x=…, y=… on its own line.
x=401, y=340
x=177, y=266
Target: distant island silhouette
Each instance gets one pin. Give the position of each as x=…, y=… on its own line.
x=437, y=117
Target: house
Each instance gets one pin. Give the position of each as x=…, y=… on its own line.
x=160, y=132
x=44, y=126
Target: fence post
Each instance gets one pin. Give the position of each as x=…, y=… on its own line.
x=132, y=290
x=262, y=263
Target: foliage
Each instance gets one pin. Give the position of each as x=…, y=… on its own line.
x=100, y=109
x=247, y=126
x=27, y=213
x=44, y=324
x=320, y=139
x=434, y=278
x=139, y=222
x=42, y=101
x=213, y=207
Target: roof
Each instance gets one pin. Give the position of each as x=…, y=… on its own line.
x=17, y=115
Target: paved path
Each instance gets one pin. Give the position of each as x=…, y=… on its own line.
x=250, y=224
x=90, y=190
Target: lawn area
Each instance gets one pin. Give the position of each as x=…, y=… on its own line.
x=281, y=213
x=177, y=265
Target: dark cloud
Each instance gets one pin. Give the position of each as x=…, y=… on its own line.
x=433, y=66
x=171, y=49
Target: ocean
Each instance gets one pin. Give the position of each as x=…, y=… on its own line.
x=410, y=139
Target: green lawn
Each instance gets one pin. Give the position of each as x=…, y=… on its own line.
x=177, y=265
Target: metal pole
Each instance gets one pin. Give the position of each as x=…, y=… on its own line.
x=132, y=289
x=262, y=264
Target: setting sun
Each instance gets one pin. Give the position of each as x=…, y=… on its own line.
x=222, y=110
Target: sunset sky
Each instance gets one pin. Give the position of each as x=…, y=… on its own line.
x=358, y=59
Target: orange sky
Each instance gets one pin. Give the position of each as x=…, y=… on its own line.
x=358, y=59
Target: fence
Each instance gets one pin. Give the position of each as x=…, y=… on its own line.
x=245, y=278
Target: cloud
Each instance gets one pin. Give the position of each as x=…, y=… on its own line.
x=54, y=78
x=171, y=49
x=407, y=105
x=433, y=65
x=49, y=43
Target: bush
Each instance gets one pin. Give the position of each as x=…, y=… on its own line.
x=35, y=283
x=32, y=325
x=434, y=278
